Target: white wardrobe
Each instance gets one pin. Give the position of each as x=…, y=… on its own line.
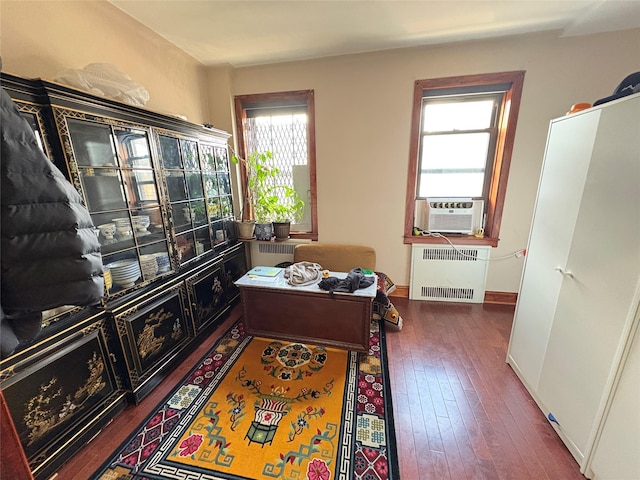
x=580, y=290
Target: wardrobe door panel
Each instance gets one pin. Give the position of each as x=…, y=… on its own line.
x=559, y=195
x=616, y=455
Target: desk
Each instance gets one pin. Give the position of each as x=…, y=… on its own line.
x=275, y=309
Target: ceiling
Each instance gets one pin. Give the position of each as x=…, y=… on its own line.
x=245, y=32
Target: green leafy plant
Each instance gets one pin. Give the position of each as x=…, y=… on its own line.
x=264, y=200
x=290, y=208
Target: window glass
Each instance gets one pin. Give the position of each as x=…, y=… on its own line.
x=457, y=114
x=453, y=165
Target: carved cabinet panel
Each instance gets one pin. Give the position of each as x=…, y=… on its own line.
x=152, y=332
x=234, y=267
x=57, y=400
x=206, y=295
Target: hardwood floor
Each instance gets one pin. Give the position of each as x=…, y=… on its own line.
x=460, y=412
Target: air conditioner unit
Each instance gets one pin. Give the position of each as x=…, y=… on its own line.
x=455, y=215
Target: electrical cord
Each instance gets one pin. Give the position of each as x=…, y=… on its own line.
x=516, y=254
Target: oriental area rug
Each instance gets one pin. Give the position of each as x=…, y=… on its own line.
x=259, y=408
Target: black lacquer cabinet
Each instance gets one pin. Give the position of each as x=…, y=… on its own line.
x=62, y=391
x=158, y=189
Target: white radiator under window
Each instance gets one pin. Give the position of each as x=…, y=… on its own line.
x=270, y=254
x=442, y=273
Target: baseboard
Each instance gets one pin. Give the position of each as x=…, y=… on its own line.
x=400, y=291
x=500, y=298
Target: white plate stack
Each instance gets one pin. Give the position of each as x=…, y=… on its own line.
x=149, y=266
x=124, y=272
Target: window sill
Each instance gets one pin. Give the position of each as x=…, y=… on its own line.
x=304, y=235
x=456, y=239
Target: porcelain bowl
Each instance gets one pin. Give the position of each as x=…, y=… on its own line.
x=122, y=221
x=141, y=222
x=107, y=230
x=124, y=231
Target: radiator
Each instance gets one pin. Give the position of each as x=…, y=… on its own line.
x=270, y=254
x=442, y=273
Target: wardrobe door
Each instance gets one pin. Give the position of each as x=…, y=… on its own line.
x=594, y=311
x=616, y=455
x=559, y=193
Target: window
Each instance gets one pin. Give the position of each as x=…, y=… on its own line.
x=461, y=143
x=284, y=124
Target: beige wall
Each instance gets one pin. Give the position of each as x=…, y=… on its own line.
x=44, y=38
x=363, y=107
x=363, y=112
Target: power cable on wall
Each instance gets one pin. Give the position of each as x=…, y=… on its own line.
x=517, y=254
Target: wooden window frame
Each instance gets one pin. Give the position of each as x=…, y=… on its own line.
x=507, y=123
x=243, y=102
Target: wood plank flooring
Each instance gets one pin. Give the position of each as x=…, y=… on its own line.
x=460, y=411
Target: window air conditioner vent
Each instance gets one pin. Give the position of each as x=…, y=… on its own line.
x=454, y=215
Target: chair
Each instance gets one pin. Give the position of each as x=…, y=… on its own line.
x=337, y=257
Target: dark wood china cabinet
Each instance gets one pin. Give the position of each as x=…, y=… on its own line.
x=158, y=189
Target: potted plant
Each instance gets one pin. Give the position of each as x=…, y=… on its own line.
x=265, y=202
x=259, y=199
x=288, y=209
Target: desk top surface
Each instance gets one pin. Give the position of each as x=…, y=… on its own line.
x=278, y=282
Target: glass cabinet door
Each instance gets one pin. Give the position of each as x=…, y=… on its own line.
x=34, y=123
x=218, y=193
x=113, y=167
x=197, y=213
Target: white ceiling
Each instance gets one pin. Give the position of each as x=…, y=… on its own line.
x=249, y=32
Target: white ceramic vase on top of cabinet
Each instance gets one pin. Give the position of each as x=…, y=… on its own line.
x=580, y=286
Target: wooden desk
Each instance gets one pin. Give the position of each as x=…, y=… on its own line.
x=274, y=309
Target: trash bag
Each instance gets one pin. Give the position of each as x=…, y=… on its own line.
x=104, y=79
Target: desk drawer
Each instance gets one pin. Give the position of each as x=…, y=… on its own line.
x=338, y=321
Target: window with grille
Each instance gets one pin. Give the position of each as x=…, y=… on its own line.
x=283, y=123
x=461, y=143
